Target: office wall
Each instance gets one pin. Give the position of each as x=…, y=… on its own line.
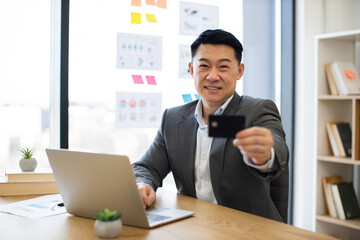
x=259, y=40
x=312, y=17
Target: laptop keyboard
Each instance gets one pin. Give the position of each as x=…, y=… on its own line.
x=155, y=218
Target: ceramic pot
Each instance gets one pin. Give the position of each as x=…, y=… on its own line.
x=28, y=165
x=110, y=229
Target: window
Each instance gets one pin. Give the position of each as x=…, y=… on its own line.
x=24, y=80
x=100, y=37
x=95, y=79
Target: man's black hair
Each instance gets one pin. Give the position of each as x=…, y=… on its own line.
x=217, y=37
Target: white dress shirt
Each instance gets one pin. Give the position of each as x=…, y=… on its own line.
x=203, y=186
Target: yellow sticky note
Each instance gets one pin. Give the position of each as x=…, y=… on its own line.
x=150, y=17
x=135, y=18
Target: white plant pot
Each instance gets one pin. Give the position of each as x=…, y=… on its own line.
x=108, y=229
x=28, y=165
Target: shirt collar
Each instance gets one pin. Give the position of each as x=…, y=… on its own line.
x=198, y=112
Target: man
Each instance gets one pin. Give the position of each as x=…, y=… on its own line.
x=231, y=172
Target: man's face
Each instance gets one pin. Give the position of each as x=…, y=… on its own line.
x=215, y=70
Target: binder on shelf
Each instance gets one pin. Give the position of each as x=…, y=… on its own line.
x=330, y=80
x=333, y=144
x=345, y=199
x=344, y=131
x=328, y=194
x=346, y=77
x=338, y=140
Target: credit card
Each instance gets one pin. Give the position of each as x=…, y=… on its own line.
x=225, y=125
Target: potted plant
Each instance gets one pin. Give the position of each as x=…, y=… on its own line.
x=108, y=224
x=27, y=162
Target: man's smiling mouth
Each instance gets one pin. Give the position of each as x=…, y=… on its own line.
x=212, y=88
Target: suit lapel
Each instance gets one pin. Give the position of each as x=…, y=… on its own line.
x=234, y=105
x=217, y=151
x=187, y=132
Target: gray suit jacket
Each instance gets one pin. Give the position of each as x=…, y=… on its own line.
x=235, y=184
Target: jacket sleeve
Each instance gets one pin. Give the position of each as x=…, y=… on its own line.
x=153, y=167
x=266, y=114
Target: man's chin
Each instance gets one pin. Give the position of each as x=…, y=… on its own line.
x=214, y=101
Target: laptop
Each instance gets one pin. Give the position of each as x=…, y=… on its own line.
x=90, y=182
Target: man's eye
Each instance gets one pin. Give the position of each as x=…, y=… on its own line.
x=224, y=66
x=203, y=66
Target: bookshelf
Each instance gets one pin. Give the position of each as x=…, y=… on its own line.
x=342, y=46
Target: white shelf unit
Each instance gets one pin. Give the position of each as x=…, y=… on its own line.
x=341, y=46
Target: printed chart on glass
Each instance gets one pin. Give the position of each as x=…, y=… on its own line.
x=141, y=52
x=196, y=18
x=184, y=59
x=138, y=110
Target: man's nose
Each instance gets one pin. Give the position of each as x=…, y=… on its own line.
x=213, y=75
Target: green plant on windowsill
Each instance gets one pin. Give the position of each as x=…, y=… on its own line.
x=26, y=153
x=27, y=163
x=107, y=215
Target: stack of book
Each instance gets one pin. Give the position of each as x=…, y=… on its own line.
x=339, y=133
x=340, y=198
x=342, y=78
x=16, y=182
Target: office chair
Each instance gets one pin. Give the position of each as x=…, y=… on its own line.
x=279, y=193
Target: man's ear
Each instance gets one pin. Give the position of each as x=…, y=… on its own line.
x=191, y=69
x=241, y=70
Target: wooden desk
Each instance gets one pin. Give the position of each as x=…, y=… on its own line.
x=209, y=222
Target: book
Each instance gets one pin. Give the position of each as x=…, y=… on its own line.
x=345, y=200
x=331, y=137
x=328, y=194
x=337, y=138
x=344, y=130
x=346, y=77
x=14, y=188
x=330, y=80
x=38, y=174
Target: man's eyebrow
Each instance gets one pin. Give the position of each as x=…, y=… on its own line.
x=203, y=59
x=220, y=60
x=225, y=60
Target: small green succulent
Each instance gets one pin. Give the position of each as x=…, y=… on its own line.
x=107, y=215
x=27, y=153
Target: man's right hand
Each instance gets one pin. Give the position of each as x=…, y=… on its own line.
x=147, y=194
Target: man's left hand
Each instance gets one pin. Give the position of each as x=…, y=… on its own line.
x=255, y=143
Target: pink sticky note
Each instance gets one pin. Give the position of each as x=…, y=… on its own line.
x=150, y=2
x=161, y=4
x=136, y=3
x=137, y=79
x=350, y=74
x=150, y=80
